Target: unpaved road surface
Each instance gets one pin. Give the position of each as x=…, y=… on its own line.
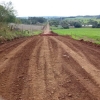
x=49, y=68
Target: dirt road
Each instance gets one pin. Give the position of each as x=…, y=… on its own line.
x=49, y=68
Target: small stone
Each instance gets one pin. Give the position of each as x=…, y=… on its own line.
x=29, y=79
x=69, y=81
x=64, y=55
x=77, y=79
x=67, y=56
x=52, y=92
x=23, y=93
x=17, y=85
x=69, y=95
x=1, y=84
x=54, y=88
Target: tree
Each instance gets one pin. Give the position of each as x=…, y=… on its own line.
x=77, y=25
x=65, y=24
x=35, y=20
x=54, y=22
x=7, y=13
x=3, y=14
x=96, y=25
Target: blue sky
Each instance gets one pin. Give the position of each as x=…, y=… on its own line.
x=56, y=7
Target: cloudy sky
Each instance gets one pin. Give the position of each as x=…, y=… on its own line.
x=56, y=7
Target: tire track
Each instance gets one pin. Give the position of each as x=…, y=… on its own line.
x=37, y=74
x=83, y=61
x=50, y=79
x=60, y=93
x=92, y=53
x=95, y=90
x=12, y=54
x=67, y=79
x=14, y=75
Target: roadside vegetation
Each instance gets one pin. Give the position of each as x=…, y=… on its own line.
x=6, y=34
x=12, y=27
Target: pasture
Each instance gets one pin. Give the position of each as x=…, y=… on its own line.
x=88, y=34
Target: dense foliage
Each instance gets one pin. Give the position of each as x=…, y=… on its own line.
x=65, y=24
x=33, y=20
x=7, y=13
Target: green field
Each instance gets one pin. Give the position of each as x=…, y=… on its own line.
x=88, y=34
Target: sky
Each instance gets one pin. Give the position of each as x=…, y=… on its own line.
x=26, y=8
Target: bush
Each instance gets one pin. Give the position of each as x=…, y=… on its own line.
x=77, y=25
x=96, y=26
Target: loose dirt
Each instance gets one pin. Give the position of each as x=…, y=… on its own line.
x=49, y=67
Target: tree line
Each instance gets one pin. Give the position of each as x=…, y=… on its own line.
x=66, y=24
x=33, y=20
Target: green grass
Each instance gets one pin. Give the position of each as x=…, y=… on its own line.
x=37, y=32
x=88, y=34
x=9, y=35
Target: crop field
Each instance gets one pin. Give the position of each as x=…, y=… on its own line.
x=88, y=34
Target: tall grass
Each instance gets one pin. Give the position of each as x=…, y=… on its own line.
x=7, y=34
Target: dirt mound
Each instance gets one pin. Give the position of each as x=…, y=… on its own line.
x=89, y=43
x=51, y=33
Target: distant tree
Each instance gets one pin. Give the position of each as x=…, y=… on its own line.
x=24, y=21
x=71, y=23
x=65, y=24
x=98, y=17
x=34, y=20
x=41, y=19
x=77, y=25
x=96, y=25
x=3, y=14
x=93, y=23
x=54, y=22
